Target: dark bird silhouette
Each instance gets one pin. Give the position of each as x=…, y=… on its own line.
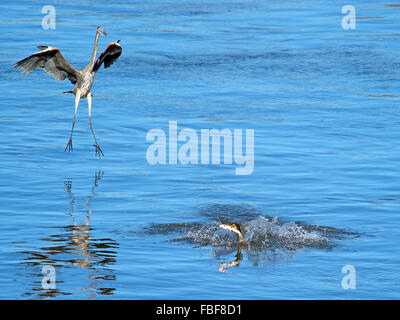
x=51, y=61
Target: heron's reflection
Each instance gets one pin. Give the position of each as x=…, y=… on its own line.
x=76, y=245
x=80, y=236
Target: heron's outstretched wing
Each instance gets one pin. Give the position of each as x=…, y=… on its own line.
x=50, y=60
x=108, y=56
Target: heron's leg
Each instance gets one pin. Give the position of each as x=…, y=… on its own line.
x=77, y=98
x=98, y=150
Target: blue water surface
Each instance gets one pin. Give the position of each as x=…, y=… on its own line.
x=323, y=102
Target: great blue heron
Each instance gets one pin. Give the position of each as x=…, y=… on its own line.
x=51, y=60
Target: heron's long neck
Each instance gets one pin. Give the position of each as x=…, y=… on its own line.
x=93, y=60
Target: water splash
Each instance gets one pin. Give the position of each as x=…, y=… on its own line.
x=265, y=238
x=260, y=232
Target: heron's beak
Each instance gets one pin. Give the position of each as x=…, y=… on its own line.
x=100, y=29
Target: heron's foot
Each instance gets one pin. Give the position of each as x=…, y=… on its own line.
x=69, y=145
x=98, y=151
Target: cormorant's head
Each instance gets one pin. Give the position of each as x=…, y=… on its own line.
x=236, y=226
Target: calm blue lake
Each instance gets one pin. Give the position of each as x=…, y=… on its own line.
x=319, y=209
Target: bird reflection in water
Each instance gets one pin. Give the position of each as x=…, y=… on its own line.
x=76, y=246
x=234, y=263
